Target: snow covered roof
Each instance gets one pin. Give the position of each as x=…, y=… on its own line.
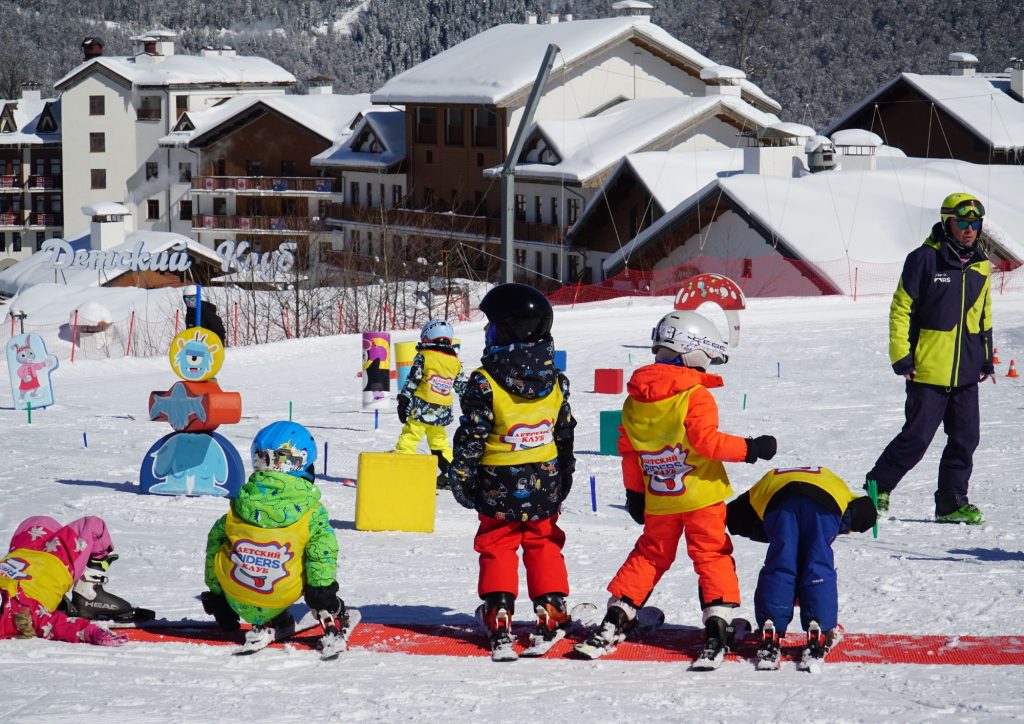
x=961, y=57
x=220, y=70
x=870, y=216
x=328, y=116
x=631, y=5
x=589, y=146
x=387, y=126
x=38, y=270
x=856, y=137
x=26, y=114
x=721, y=72
x=981, y=103
x=500, y=62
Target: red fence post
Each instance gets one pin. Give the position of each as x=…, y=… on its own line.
x=856, y=271
x=341, y=320
x=131, y=329
x=74, y=337
x=287, y=323
x=177, y=318
x=235, y=331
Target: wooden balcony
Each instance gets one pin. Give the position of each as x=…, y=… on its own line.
x=256, y=224
x=10, y=183
x=263, y=185
x=45, y=220
x=432, y=223
x=12, y=220
x=148, y=114
x=44, y=183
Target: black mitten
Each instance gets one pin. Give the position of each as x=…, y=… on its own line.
x=322, y=598
x=403, y=408
x=762, y=447
x=217, y=606
x=635, y=505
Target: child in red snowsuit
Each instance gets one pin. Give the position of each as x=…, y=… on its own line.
x=43, y=563
x=676, y=485
x=513, y=463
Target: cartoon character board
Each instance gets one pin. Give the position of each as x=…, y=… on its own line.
x=30, y=367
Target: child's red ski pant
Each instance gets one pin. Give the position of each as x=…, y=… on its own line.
x=707, y=544
x=498, y=543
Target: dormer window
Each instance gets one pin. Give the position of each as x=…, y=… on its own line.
x=367, y=142
x=538, y=151
x=47, y=123
x=7, y=124
x=184, y=124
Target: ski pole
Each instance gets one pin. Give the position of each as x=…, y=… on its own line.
x=873, y=494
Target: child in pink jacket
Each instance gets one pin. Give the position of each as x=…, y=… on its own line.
x=43, y=563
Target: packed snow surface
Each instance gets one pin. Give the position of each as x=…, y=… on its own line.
x=813, y=372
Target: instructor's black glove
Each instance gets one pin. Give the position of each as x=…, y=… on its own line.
x=635, y=505
x=761, y=447
x=403, y=408
x=322, y=598
x=217, y=606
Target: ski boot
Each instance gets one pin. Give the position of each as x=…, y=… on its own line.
x=442, y=470
x=718, y=635
x=337, y=626
x=769, y=647
x=553, y=620
x=966, y=513
x=618, y=621
x=89, y=599
x=495, y=613
x=260, y=636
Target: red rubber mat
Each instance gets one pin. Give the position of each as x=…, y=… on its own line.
x=671, y=644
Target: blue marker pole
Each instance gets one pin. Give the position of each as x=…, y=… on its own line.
x=376, y=419
x=85, y=440
x=325, y=457
x=593, y=493
x=199, y=308
x=778, y=369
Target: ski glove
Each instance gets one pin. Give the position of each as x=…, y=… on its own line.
x=403, y=408
x=463, y=489
x=217, y=606
x=635, y=505
x=101, y=637
x=322, y=598
x=762, y=447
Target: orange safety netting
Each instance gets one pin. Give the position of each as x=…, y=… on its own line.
x=770, y=276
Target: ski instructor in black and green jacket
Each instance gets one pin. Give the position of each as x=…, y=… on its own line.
x=940, y=340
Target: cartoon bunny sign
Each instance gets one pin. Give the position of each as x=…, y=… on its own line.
x=30, y=368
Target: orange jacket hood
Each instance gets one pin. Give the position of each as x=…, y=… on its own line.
x=660, y=381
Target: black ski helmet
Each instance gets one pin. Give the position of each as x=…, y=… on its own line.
x=517, y=313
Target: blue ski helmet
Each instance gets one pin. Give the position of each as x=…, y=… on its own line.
x=436, y=330
x=285, y=447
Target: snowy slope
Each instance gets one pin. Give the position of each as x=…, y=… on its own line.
x=835, y=403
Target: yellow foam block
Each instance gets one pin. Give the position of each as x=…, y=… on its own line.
x=395, y=491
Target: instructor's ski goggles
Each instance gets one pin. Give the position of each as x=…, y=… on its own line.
x=190, y=300
x=964, y=224
x=970, y=209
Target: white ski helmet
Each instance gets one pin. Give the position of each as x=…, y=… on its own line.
x=190, y=291
x=693, y=337
x=436, y=330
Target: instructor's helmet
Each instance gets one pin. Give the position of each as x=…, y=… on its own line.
x=437, y=331
x=516, y=313
x=284, y=447
x=190, y=294
x=961, y=206
x=694, y=338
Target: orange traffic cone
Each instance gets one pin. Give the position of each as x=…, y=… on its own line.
x=1013, y=370
x=995, y=356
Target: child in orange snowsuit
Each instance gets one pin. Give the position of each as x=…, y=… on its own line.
x=676, y=485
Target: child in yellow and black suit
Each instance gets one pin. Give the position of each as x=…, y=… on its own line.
x=513, y=463
x=425, y=402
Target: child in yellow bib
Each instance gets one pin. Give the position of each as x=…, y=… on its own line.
x=275, y=544
x=425, y=402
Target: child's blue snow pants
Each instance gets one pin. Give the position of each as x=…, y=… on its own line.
x=799, y=563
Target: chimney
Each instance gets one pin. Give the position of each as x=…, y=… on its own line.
x=225, y=51
x=963, y=64
x=92, y=48
x=779, y=150
x=722, y=80
x=320, y=85
x=1017, y=78
x=552, y=18
x=636, y=8
x=30, y=91
x=158, y=44
x=109, y=224
x=531, y=18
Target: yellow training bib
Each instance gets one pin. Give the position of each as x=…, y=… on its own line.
x=524, y=429
x=439, y=373
x=775, y=480
x=40, y=575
